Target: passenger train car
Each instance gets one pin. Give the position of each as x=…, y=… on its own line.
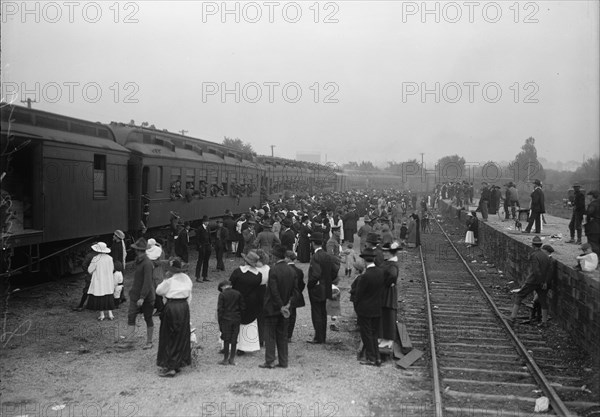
x=67, y=181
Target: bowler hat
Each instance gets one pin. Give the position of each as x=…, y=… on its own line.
x=537, y=241
x=204, y=218
x=140, y=244
x=367, y=219
x=578, y=185
x=537, y=182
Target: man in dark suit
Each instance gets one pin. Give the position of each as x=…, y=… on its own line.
x=298, y=299
x=287, y=236
x=537, y=207
x=278, y=297
x=322, y=271
x=578, y=212
x=368, y=300
x=204, y=242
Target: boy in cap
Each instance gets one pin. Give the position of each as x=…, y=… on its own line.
x=536, y=281
x=229, y=313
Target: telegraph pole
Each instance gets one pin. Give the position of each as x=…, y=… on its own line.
x=183, y=132
x=28, y=101
x=272, y=154
x=422, y=172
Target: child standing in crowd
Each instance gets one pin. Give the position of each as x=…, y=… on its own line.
x=588, y=260
x=349, y=257
x=229, y=313
x=118, y=277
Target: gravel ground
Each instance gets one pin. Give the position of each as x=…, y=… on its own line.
x=59, y=362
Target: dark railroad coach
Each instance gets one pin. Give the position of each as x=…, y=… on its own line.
x=64, y=180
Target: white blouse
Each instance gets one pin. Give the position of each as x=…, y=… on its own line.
x=179, y=286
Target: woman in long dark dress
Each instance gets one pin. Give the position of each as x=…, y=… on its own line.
x=304, y=241
x=174, y=347
x=387, y=324
x=247, y=280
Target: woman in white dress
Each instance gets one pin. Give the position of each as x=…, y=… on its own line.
x=102, y=286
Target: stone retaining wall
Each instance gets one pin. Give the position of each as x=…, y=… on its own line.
x=575, y=298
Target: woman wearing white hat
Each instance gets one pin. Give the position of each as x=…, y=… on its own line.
x=102, y=285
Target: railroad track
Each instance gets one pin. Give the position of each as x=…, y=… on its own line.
x=477, y=365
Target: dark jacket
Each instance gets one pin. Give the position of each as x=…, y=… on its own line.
x=248, y=284
x=230, y=225
x=390, y=281
x=181, y=245
x=592, y=225
x=322, y=271
x=221, y=237
x=230, y=305
x=579, y=203
x=280, y=288
x=298, y=300
x=143, y=283
x=350, y=219
x=485, y=194
x=203, y=236
x=288, y=238
x=368, y=298
x=537, y=201
x=540, y=267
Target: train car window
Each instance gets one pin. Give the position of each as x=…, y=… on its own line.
x=159, y=178
x=176, y=184
x=99, y=176
x=189, y=181
x=147, y=138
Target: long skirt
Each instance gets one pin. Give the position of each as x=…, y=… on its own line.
x=304, y=250
x=248, y=339
x=101, y=303
x=174, y=347
x=387, y=324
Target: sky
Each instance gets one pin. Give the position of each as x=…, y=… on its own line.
x=352, y=80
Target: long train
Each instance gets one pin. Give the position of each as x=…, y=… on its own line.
x=67, y=180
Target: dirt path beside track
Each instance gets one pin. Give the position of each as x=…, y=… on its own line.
x=53, y=357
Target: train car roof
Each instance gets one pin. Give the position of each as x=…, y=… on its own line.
x=41, y=125
x=176, y=145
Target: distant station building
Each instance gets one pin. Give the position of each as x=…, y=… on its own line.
x=314, y=157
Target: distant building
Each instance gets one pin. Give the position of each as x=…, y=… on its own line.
x=314, y=157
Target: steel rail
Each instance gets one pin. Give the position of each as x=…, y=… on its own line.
x=437, y=396
x=557, y=404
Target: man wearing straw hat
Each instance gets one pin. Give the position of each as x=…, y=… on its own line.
x=141, y=295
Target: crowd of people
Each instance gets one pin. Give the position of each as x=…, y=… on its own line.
x=257, y=305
